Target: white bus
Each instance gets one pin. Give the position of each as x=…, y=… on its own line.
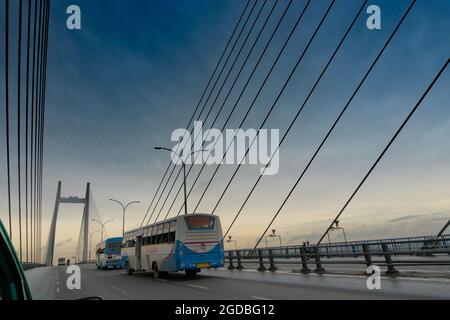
x=108, y=253
x=186, y=243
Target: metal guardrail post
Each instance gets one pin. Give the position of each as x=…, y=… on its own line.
x=230, y=258
x=239, y=262
x=355, y=252
x=388, y=258
x=305, y=268
x=272, y=262
x=261, y=262
x=319, y=268
x=328, y=252
x=367, y=257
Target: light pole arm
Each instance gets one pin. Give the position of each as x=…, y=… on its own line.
x=107, y=222
x=171, y=151
x=184, y=173
x=132, y=202
x=179, y=157
x=124, y=209
x=120, y=203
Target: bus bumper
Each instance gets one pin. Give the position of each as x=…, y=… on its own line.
x=189, y=260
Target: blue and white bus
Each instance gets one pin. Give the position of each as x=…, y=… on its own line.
x=108, y=253
x=186, y=243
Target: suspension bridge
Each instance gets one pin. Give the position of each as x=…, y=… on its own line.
x=257, y=45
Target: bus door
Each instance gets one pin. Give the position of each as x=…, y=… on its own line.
x=138, y=251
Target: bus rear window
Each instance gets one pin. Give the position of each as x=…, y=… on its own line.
x=113, y=248
x=199, y=222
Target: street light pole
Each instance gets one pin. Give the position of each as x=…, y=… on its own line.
x=337, y=227
x=184, y=187
x=124, y=209
x=273, y=235
x=343, y=231
x=90, y=243
x=235, y=243
x=102, y=224
x=184, y=172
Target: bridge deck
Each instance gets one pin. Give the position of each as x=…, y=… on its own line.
x=50, y=283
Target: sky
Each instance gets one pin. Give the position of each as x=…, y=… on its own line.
x=136, y=70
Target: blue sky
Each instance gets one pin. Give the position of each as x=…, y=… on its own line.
x=136, y=70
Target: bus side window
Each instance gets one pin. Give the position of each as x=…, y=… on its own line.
x=173, y=227
x=172, y=237
x=166, y=232
x=160, y=231
x=153, y=233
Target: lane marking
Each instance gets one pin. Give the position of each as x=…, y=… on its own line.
x=198, y=287
x=122, y=291
x=259, y=298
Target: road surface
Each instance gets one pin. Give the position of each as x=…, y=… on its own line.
x=50, y=283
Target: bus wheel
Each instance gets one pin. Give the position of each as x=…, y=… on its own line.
x=156, y=273
x=191, y=273
x=159, y=274
x=129, y=271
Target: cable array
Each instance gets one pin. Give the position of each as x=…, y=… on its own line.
x=30, y=121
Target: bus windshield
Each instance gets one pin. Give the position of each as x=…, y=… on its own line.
x=199, y=222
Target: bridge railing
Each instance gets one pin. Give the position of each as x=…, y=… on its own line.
x=28, y=266
x=85, y=262
x=379, y=252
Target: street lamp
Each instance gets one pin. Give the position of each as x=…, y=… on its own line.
x=184, y=172
x=273, y=235
x=90, y=243
x=102, y=224
x=124, y=208
x=235, y=243
x=337, y=227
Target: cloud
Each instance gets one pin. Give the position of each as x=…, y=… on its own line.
x=418, y=216
x=62, y=243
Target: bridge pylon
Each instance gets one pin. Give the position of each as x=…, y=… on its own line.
x=85, y=222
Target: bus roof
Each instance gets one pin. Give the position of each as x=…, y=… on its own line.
x=168, y=220
x=114, y=239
